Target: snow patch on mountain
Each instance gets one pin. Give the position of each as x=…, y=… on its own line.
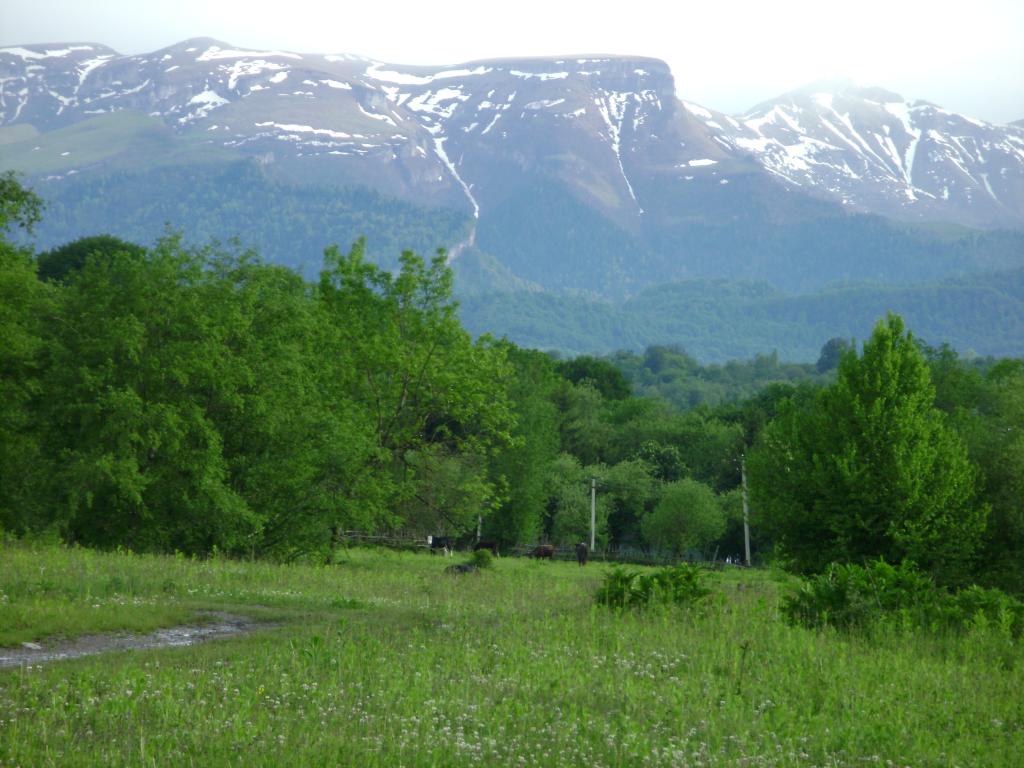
x=57, y=53
x=612, y=107
x=206, y=102
x=215, y=52
x=375, y=72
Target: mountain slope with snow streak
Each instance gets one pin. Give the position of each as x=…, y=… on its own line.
x=874, y=151
x=469, y=135
x=454, y=136
x=582, y=174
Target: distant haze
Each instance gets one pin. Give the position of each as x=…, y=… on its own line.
x=726, y=56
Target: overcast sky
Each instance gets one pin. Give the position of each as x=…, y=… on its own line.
x=967, y=57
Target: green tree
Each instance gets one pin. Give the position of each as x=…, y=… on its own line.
x=600, y=373
x=584, y=431
x=568, y=486
x=18, y=204
x=58, y=263
x=631, y=488
x=25, y=308
x=291, y=436
x=137, y=361
x=523, y=464
x=989, y=414
x=665, y=462
x=831, y=352
x=422, y=382
x=687, y=516
x=870, y=469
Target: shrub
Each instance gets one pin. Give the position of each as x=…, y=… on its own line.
x=675, y=585
x=847, y=596
x=482, y=558
x=857, y=597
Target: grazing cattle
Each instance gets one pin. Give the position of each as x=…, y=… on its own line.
x=581, y=553
x=491, y=545
x=441, y=544
x=543, y=551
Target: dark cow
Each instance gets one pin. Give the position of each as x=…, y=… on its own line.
x=491, y=545
x=581, y=553
x=543, y=551
x=441, y=544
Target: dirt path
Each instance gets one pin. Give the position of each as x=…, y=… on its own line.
x=221, y=625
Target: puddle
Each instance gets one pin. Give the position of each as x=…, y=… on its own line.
x=221, y=625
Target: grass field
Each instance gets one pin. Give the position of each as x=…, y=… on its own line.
x=382, y=660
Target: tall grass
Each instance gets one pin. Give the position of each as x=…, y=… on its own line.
x=382, y=660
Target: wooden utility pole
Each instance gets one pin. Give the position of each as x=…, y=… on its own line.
x=746, y=511
x=593, y=510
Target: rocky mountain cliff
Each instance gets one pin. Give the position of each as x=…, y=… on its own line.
x=874, y=151
x=610, y=128
x=576, y=174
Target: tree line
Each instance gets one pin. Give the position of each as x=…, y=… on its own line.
x=200, y=400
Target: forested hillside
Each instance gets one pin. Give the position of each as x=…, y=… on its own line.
x=722, y=293
x=718, y=320
x=287, y=224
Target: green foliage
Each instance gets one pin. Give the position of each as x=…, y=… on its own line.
x=665, y=461
x=197, y=400
x=18, y=204
x=524, y=463
x=482, y=558
x=24, y=305
x=870, y=469
x=200, y=400
x=851, y=596
x=681, y=584
x=435, y=401
x=856, y=597
x=831, y=353
x=687, y=516
x=601, y=374
x=987, y=409
x=289, y=225
x=61, y=262
x=568, y=502
x=138, y=369
x=724, y=320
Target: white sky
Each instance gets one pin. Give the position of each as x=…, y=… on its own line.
x=967, y=57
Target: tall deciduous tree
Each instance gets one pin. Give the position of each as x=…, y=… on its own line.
x=137, y=364
x=428, y=391
x=24, y=306
x=687, y=516
x=870, y=468
x=523, y=465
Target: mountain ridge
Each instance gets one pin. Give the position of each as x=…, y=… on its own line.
x=615, y=122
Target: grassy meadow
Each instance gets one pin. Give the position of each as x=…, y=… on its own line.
x=383, y=660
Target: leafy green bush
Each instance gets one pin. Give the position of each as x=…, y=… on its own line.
x=977, y=606
x=848, y=596
x=856, y=597
x=675, y=585
x=482, y=558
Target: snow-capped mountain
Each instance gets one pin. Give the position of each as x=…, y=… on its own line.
x=452, y=135
x=874, y=151
x=610, y=128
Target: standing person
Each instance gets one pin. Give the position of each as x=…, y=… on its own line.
x=581, y=553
